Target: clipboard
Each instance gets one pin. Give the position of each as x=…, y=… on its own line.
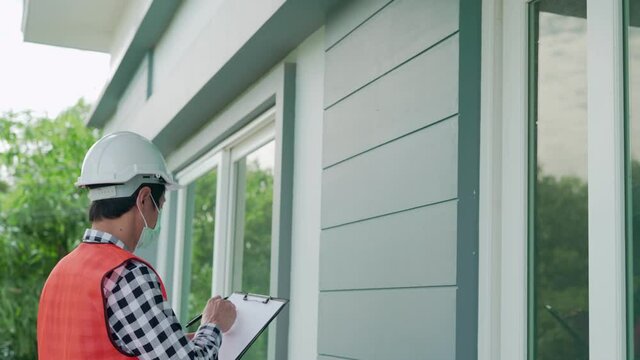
x=255, y=313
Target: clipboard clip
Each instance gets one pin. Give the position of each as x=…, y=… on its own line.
x=265, y=301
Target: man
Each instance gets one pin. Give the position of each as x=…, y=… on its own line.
x=103, y=302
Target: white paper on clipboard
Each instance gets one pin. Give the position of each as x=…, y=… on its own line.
x=255, y=312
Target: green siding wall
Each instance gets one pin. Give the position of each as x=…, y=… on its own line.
x=348, y=17
x=419, y=243
x=384, y=324
x=429, y=84
x=400, y=31
x=389, y=243
x=415, y=170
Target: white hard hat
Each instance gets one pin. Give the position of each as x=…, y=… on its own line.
x=122, y=161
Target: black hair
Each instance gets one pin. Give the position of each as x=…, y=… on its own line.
x=114, y=208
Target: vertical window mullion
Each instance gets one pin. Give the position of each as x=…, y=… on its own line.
x=513, y=281
x=532, y=174
x=187, y=251
x=220, y=261
x=238, y=228
x=606, y=171
x=176, y=299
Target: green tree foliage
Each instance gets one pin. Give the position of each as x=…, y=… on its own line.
x=256, y=267
x=561, y=268
x=42, y=214
x=562, y=265
x=257, y=229
x=203, y=226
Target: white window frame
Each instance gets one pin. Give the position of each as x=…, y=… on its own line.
x=247, y=139
x=258, y=139
x=276, y=89
x=503, y=285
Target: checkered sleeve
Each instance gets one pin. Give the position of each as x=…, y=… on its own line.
x=143, y=324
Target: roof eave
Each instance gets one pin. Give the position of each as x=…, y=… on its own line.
x=155, y=22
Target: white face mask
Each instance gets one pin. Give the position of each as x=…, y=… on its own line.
x=148, y=234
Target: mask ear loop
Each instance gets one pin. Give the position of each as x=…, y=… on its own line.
x=154, y=204
x=140, y=211
x=157, y=209
x=141, y=214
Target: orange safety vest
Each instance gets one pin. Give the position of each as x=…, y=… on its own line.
x=72, y=318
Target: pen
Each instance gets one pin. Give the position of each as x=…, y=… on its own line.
x=194, y=320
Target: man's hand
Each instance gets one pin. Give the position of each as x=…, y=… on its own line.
x=220, y=312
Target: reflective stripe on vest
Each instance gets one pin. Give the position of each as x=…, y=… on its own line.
x=72, y=321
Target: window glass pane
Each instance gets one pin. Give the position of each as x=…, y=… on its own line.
x=633, y=108
x=252, y=247
x=202, y=236
x=558, y=286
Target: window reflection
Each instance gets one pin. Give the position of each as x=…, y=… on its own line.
x=559, y=322
x=202, y=237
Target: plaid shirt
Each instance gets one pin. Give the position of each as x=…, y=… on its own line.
x=141, y=322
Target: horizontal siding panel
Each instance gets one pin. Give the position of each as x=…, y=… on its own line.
x=416, y=170
x=419, y=245
x=388, y=324
x=416, y=94
x=398, y=32
x=348, y=16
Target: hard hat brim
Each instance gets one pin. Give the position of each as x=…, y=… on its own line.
x=113, y=191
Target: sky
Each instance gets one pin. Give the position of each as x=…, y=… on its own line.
x=42, y=78
x=562, y=96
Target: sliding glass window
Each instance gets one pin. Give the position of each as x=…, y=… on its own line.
x=558, y=220
x=253, y=181
x=224, y=227
x=200, y=239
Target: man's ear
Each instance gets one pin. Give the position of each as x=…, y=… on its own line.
x=142, y=195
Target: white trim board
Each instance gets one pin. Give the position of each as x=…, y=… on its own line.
x=605, y=101
x=489, y=259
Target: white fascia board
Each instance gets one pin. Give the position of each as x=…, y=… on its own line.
x=229, y=29
x=232, y=51
x=71, y=23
